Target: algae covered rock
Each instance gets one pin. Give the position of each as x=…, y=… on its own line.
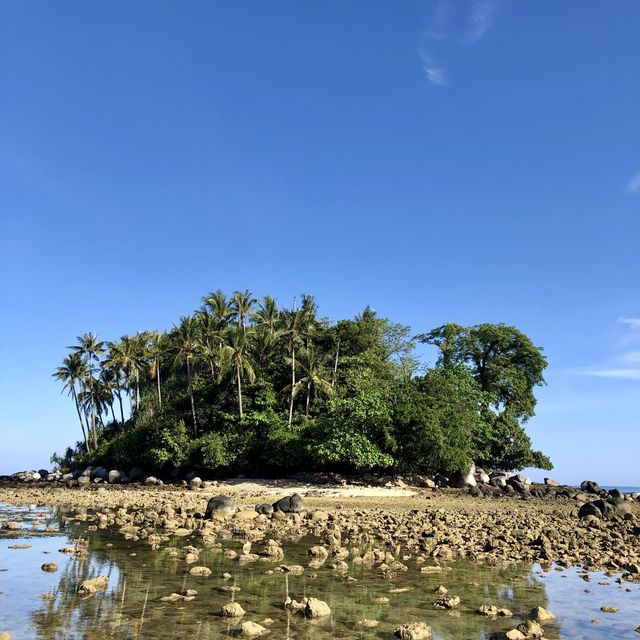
x=315, y=608
x=232, y=610
x=413, y=631
x=90, y=586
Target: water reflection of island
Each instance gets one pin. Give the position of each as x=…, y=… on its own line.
x=139, y=576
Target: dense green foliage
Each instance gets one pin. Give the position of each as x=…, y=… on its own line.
x=242, y=385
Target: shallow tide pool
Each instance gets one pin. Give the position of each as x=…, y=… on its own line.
x=37, y=604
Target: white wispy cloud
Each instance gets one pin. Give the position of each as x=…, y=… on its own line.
x=452, y=26
x=634, y=323
x=619, y=374
x=435, y=75
x=621, y=366
x=480, y=20
x=634, y=183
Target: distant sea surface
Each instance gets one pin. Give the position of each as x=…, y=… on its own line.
x=623, y=489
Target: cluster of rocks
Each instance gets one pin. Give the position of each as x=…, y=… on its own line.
x=102, y=475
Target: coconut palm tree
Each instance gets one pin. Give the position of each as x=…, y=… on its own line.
x=237, y=359
x=267, y=332
x=187, y=350
x=314, y=376
x=90, y=347
x=217, y=305
x=292, y=329
x=72, y=372
x=113, y=362
x=155, y=349
x=242, y=303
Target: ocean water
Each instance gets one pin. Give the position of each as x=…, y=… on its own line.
x=623, y=489
x=34, y=604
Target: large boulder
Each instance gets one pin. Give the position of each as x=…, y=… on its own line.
x=520, y=483
x=481, y=476
x=465, y=478
x=99, y=473
x=289, y=504
x=550, y=482
x=220, y=507
x=604, y=508
x=590, y=486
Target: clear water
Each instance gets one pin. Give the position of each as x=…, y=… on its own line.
x=139, y=577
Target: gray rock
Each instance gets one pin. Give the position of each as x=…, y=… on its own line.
x=220, y=507
x=265, y=509
x=195, y=483
x=465, y=478
x=550, y=482
x=589, y=486
x=114, y=476
x=289, y=504
x=136, y=474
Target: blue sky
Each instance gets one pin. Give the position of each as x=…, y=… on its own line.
x=441, y=161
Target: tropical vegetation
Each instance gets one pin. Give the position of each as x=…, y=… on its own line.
x=244, y=384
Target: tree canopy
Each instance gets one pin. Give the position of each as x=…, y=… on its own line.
x=246, y=384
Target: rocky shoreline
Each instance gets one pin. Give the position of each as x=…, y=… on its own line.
x=491, y=522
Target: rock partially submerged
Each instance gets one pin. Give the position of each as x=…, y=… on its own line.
x=252, y=630
x=413, y=631
x=315, y=608
x=92, y=585
x=232, y=610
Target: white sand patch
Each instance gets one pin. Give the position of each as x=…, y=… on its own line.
x=266, y=486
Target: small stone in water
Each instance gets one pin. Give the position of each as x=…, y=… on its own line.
x=413, y=631
x=607, y=609
x=49, y=567
x=232, y=610
x=368, y=624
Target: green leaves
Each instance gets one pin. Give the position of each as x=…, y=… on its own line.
x=276, y=388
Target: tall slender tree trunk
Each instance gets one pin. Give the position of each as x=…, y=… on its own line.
x=137, y=389
x=119, y=394
x=113, y=415
x=306, y=413
x=213, y=371
x=239, y=384
x=193, y=404
x=158, y=382
x=335, y=366
x=84, y=433
x=93, y=425
x=293, y=381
